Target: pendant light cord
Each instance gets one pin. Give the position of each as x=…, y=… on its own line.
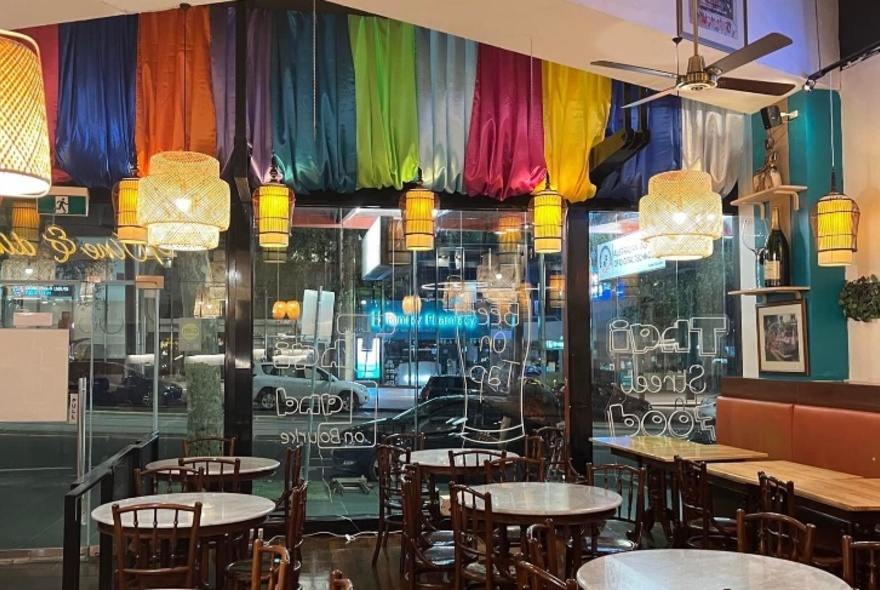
x=314, y=68
x=185, y=8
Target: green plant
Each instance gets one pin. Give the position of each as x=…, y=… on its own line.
x=860, y=299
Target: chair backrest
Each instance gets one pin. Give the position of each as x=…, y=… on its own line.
x=295, y=520
x=205, y=446
x=157, y=545
x=166, y=480
x=406, y=440
x=629, y=482
x=278, y=558
x=337, y=582
x=541, y=548
x=861, y=563
x=293, y=460
x=392, y=461
x=467, y=467
x=535, y=447
x=532, y=577
x=556, y=454
x=514, y=469
x=775, y=535
x=775, y=495
x=473, y=533
x=219, y=474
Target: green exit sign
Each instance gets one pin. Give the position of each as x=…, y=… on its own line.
x=61, y=201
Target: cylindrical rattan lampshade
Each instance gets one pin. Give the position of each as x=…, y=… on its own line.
x=417, y=207
x=680, y=216
x=556, y=291
x=835, y=222
x=206, y=306
x=412, y=305
x=25, y=164
x=273, y=203
x=293, y=310
x=546, y=207
x=25, y=222
x=125, y=199
x=183, y=203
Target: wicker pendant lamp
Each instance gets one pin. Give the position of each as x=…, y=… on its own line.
x=25, y=164
x=418, y=207
x=293, y=310
x=183, y=203
x=125, y=200
x=547, y=208
x=25, y=220
x=680, y=216
x=273, y=207
x=412, y=305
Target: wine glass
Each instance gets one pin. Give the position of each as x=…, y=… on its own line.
x=753, y=234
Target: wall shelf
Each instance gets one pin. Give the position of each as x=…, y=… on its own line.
x=785, y=190
x=765, y=292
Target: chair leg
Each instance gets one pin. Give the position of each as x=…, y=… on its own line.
x=380, y=537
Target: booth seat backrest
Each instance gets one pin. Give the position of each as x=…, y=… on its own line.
x=842, y=440
x=756, y=425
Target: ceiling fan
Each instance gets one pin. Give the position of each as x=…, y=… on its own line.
x=701, y=77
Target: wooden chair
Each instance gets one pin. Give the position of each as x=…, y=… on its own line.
x=556, y=458
x=532, y=577
x=775, y=495
x=467, y=467
x=540, y=548
x=405, y=440
x=630, y=483
x=777, y=536
x=390, y=493
x=473, y=525
x=534, y=447
x=699, y=527
x=219, y=474
x=150, y=556
x=166, y=480
x=239, y=573
x=293, y=461
x=337, y=582
x=514, y=469
x=425, y=564
x=861, y=563
x=204, y=446
x=277, y=559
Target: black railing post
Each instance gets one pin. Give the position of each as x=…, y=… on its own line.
x=71, y=555
x=105, y=542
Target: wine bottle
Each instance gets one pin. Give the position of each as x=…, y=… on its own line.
x=777, y=256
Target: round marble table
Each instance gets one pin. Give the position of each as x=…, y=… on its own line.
x=696, y=569
x=436, y=461
x=250, y=467
x=525, y=503
x=222, y=513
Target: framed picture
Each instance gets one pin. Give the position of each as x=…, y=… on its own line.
x=722, y=23
x=782, y=338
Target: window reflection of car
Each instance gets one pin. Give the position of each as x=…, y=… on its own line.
x=118, y=385
x=297, y=384
x=443, y=385
x=606, y=396
x=442, y=420
x=705, y=414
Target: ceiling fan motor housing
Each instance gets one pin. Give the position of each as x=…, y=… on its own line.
x=697, y=78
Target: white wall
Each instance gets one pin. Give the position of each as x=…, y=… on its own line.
x=860, y=92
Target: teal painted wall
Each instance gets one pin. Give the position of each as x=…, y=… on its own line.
x=809, y=140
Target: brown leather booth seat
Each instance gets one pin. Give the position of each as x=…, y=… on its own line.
x=842, y=440
x=757, y=425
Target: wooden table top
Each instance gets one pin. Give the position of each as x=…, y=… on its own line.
x=665, y=448
x=747, y=472
x=851, y=495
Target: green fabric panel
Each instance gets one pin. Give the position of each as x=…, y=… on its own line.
x=810, y=164
x=385, y=89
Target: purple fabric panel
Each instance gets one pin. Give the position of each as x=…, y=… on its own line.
x=223, y=78
x=259, y=102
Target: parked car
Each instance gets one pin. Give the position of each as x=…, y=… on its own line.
x=605, y=396
x=441, y=385
x=116, y=384
x=297, y=383
x=705, y=414
x=441, y=419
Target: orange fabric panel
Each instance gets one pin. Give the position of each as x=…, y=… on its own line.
x=755, y=425
x=842, y=440
x=160, y=84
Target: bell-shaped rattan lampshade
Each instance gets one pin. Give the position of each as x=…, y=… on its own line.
x=183, y=203
x=125, y=200
x=412, y=305
x=293, y=310
x=680, y=216
x=547, y=207
x=418, y=206
x=25, y=164
x=25, y=222
x=835, y=222
x=279, y=310
x=206, y=306
x=273, y=204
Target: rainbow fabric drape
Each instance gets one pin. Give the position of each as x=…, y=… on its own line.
x=363, y=103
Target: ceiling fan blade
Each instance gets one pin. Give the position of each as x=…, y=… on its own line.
x=751, y=52
x=639, y=69
x=755, y=86
x=654, y=96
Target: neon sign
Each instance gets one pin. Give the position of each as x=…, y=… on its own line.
x=65, y=247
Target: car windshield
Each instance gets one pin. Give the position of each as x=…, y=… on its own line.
x=428, y=406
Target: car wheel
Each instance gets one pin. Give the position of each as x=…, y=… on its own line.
x=266, y=398
x=374, y=467
x=349, y=401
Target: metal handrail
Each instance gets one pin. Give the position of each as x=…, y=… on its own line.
x=142, y=452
